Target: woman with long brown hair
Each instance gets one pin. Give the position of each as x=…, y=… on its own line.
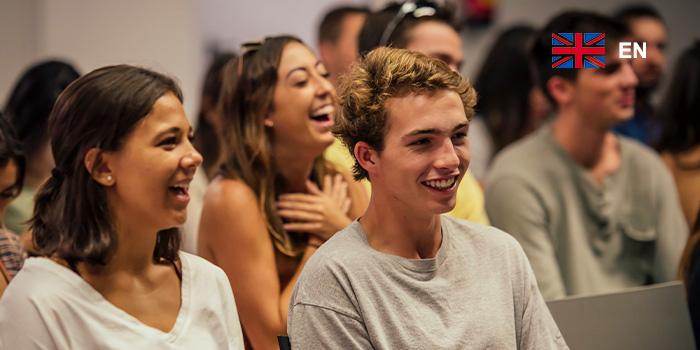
x=276, y=199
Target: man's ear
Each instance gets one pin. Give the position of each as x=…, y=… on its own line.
x=366, y=156
x=97, y=162
x=561, y=89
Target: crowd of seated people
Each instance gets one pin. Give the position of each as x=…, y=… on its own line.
x=328, y=197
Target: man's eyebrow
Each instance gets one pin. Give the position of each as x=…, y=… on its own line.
x=459, y=126
x=433, y=131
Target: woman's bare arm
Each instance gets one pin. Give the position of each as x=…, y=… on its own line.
x=233, y=234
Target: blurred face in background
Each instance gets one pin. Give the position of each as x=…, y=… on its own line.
x=651, y=69
x=8, y=186
x=437, y=40
x=606, y=96
x=338, y=56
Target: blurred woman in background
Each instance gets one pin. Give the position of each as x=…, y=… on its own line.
x=510, y=105
x=207, y=140
x=12, y=165
x=28, y=109
x=680, y=143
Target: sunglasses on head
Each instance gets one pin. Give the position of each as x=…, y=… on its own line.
x=416, y=9
x=246, y=48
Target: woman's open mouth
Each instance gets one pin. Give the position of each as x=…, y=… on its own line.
x=181, y=193
x=323, y=117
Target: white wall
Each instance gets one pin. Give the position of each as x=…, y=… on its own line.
x=680, y=15
x=19, y=31
x=158, y=34
x=173, y=36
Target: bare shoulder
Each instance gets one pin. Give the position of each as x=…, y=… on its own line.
x=224, y=192
x=230, y=207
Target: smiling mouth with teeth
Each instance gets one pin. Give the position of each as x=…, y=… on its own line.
x=441, y=185
x=323, y=114
x=179, y=189
x=321, y=118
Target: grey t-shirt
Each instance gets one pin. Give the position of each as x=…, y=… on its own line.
x=478, y=292
x=581, y=237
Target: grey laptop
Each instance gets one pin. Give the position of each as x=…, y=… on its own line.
x=654, y=317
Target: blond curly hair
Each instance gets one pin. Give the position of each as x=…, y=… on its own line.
x=383, y=74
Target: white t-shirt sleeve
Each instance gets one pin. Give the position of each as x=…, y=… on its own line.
x=22, y=325
x=230, y=311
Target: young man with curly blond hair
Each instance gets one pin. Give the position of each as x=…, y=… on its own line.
x=404, y=276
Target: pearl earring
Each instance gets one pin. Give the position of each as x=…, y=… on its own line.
x=109, y=177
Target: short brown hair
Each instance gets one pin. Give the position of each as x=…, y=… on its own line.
x=385, y=73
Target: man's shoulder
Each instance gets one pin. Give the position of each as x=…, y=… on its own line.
x=641, y=154
x=327, y=278
x=528, y=158
x=481, y=237
x=336, y=258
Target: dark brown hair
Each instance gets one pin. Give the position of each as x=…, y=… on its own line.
x=32, y=98
x=206, y=138
x=11, y=150
x=680, y=108
x=72, y=218
x=332, y=22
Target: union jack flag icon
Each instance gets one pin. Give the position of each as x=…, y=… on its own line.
x=578, y=50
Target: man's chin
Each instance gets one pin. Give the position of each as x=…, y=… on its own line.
x=443, y=207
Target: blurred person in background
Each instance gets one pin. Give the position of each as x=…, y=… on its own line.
x=594, y=211
x=510, y=104
x=680, y=141
x=645, y=24
x=28, y=109
x=276, y=199
x=207, y=140
x=337, y=38
x=429, y=28
x=12, y=167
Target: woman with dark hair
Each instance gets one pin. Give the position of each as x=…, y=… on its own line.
x=680, y=143
x=510, y=105
x=277, y=199
x=110, y=275
x=207, y=140
x=28, y=110
x=12, y=168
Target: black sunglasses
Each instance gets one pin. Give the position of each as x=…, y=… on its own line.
x=417, y=9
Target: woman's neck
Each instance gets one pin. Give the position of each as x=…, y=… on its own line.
x=133, y=254
x=295, y=167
